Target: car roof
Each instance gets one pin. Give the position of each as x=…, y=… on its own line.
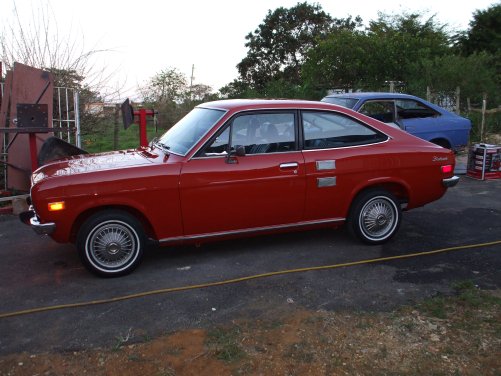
x=241, y=104
x=369, y=95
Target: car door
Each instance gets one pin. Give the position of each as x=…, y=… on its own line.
x=418, y=119
x=382, y=110
x=223, y=193
x=341, y=154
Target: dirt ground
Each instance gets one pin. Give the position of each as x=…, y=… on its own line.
x=456, y=335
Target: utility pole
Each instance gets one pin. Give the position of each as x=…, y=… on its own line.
x=192, y=78
x=191, y=81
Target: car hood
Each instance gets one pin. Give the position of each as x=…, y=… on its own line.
x=87, y=163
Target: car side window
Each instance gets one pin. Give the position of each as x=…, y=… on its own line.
x=380, y=110
x=219, y=145
x=411, y=109
x=257, y=133
x=323, y=130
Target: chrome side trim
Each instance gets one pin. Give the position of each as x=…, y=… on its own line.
x=351, y=147
x=246, y=155
x=451, y=182
x=326, y=182
x=326, y=165
x=254, y=230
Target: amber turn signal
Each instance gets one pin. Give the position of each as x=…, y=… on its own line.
x=447, y=169
x=56, y=206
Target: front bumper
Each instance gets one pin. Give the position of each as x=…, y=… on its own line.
x=30, y=218
x=450, y=182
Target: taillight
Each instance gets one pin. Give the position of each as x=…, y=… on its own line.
x=447, y=169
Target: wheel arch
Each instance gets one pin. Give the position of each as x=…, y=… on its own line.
x=82, y=217
x=398, y=189
x=442, y=141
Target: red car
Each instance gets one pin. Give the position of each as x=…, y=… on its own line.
x=237, y=168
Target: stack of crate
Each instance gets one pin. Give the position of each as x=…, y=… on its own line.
x=484, y=162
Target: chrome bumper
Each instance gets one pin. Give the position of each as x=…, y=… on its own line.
x=30, y=218
x=450, y=182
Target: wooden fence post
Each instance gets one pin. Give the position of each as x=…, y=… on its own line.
x=116, y=126
x=428, y=94
x=458, y=104
x=482, y=124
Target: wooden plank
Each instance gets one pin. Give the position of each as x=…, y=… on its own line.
x=10, y=198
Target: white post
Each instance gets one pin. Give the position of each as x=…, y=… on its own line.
x=482, y=124
x=77, y=118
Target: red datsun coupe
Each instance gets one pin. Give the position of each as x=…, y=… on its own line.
x=236, y=168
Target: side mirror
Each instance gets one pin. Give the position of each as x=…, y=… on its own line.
x=237, y=151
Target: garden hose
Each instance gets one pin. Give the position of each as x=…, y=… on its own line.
x=243, y=279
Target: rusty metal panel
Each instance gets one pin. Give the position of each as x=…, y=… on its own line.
x=32, y=115
x=29, y=85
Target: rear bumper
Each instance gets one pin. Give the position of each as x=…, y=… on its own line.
x=450, y=182
x=31, y=219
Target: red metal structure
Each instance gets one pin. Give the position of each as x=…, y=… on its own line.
x=26, y=114
x=129, y=115
x=142, y=114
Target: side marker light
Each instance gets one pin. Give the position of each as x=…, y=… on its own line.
x=56, y=206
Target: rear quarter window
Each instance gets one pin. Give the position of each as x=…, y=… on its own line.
x=324, y=130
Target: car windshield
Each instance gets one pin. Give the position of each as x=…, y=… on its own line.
x=185, y=134
x=345, y=102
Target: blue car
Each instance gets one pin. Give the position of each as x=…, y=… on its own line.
x=412, y=114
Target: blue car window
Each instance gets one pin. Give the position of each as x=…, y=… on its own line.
x=411, y=109
x=383, y=110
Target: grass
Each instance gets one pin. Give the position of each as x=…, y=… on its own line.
x=225, y=344
x=468, y=297
x=127, y=138
x=492, y=124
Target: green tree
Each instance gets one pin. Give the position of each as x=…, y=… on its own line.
x=483, y=39
x=169, y=85
x=385, y=51
x=341, y=61
x=277, y=49
x=473, y=74
x=169, y=93
x=404, y=39
x=484, y=33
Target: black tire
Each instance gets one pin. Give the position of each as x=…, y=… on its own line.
x=443, y=143
x=375, y=216
x=111, y=243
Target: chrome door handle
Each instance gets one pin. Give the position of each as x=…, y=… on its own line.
x=289, y=165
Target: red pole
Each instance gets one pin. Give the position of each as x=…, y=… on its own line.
x=33, y=151
x=143, y=137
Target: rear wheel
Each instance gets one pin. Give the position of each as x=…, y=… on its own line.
x=443, y=143
x=375, y=216
x=111, y=243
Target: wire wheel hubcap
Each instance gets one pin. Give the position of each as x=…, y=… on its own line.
x=378, y=218
x=112, y=244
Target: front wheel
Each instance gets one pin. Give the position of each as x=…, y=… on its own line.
x=375, y=216
x=111, y=243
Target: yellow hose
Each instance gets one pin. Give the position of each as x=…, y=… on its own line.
x=243, y=279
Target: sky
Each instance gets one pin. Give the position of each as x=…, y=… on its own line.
x=142, y=37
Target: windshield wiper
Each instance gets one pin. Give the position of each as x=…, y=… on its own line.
x=164, y=147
